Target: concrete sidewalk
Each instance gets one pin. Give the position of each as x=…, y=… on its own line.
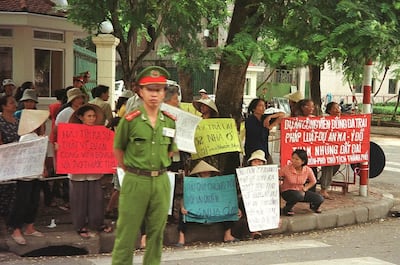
x=343, y=209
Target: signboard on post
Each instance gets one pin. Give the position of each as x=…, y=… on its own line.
x=259, y=186
x=216, y=136
x=210, y=200
x=84, y=149
x=22, y=159
x=328, y=140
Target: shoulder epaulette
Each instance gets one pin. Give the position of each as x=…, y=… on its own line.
x=131, y=115
x=166, y=113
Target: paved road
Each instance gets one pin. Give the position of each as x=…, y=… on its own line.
x=389, y=180
x=372, y=244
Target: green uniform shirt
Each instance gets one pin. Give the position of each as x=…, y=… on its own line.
x=145, y=147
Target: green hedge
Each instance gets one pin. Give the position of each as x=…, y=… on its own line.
x=385, y=108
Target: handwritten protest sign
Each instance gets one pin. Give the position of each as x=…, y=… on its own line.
x=171, y=177
x=327, y=140
x=186, y=125
x=260, y=191
x=216, y=136
x=85, y=149
x=210, y=200
x=23, y=159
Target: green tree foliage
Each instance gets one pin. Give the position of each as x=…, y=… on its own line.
x=136, y=23
x=183, y=27
x=139, y=23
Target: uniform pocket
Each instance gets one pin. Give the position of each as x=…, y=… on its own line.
x=140, y=145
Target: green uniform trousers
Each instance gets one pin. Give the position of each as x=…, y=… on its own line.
x=141, y=199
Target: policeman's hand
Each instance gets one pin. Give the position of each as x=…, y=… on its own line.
x=123, y=167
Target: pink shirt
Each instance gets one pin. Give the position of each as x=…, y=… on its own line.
x=293, y=180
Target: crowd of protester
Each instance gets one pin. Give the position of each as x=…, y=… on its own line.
x=82, y=194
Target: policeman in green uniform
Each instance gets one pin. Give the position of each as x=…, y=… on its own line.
x=143, y=146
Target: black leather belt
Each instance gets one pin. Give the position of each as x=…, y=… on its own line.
x=148, y=173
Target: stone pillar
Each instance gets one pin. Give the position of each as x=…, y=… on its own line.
x=105, y=50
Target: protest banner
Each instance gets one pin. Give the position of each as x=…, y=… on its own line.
x=259, y=186
x=22, y=159
x=216, y=136
x=84, y=149
x=328, y=140
x=171, y=177
x=210, y=200
x=186, y=125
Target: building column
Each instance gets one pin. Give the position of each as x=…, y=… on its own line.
x=106, y=54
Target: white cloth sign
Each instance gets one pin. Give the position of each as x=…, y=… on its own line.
x=22, y=159
x=260, y=191
x=186, y=124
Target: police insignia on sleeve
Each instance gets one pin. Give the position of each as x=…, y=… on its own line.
x=131, y=115
x=166, y=113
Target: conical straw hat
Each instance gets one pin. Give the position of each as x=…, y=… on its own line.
x=205, y=101
x=295, y=96
x=203, y=166
x=31, y=119
x=100, y=120
x=258, y=154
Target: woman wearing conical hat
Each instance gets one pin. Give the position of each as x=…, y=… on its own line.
x=24, y=210
x=204, y=170
x=206, y=107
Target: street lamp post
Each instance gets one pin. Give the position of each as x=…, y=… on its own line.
x=106, y=53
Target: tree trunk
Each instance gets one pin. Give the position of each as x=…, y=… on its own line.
x=397, y=105
x=380, y=85
x=232, y=76
x=185, y=81
x=315, y=88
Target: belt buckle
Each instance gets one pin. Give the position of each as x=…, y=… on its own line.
x=154, y=173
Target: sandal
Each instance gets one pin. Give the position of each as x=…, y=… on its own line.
x=317, y=211
x=105, y=229
x=234, y=240
x=20, y=240
x=34, y=233
x=84, y=233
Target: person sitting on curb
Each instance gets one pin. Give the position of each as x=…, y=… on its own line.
x=257, y=158
x=294, y=189
x=204, y=170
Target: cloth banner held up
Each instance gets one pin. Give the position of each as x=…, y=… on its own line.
x=210, y=200
x=259, y=186
x=216, y=136
x=328, y=140
x=22, y=159
x=186, y=125
x=84, y=149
